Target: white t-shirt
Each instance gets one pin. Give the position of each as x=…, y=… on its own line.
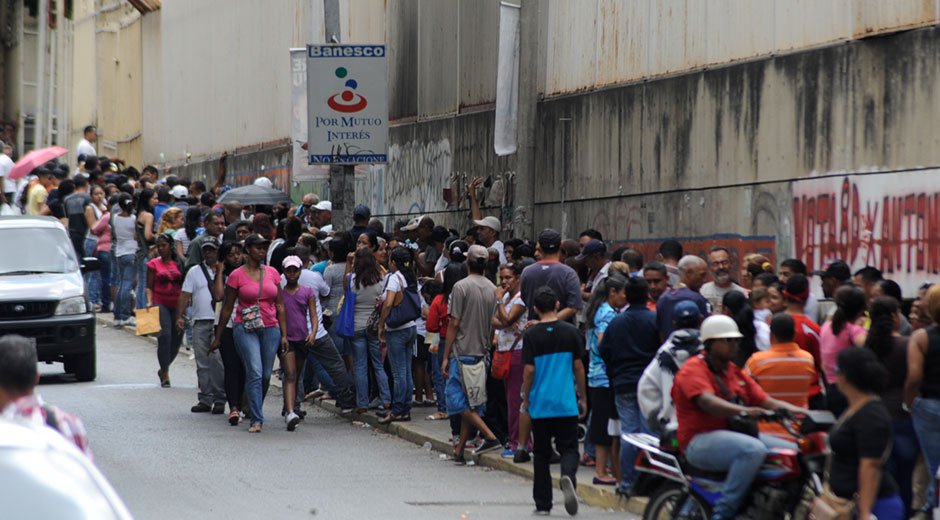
x=396, y=282
x=85, y=147
x=441, y=264
x=506, y=338
x=6, y=164
x=314, y=281
x=196, y=284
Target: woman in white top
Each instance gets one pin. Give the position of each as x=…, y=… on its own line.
x=124, y=250
x=400, y=338
x=509, y=327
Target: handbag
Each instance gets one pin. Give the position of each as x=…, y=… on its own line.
x=251, y=315
x=346, y=321
x=473, y=381
x=372, y=325
x=828, y=505
x=502, y=360
x=408, y=309
x=148, y=321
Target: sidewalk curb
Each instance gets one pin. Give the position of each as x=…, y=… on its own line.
x=590, y=494
x=109, y=323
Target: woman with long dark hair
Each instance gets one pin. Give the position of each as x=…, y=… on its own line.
x=891, y=349
x=144, y=232
x=231, y=257
x=164, y=284
x=843, y=331
x=366, y=282
x=124, y=251
x=736, y=305
x=293, y=229
x=189, y=231
x=400, y=338
x=260, y=322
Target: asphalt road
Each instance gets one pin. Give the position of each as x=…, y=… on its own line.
x=168, y=463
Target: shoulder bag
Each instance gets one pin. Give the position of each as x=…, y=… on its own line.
x=251, y=315
x=503, y=359
x=346, y=321
x=408, y=309
x=828, y=505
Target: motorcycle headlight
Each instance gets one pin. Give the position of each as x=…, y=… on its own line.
x=73, y=305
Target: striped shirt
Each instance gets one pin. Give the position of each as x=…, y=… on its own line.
x=786, y=372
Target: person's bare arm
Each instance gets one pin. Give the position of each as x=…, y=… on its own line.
x=582, y=388
x=869, y=479
x=281, y=317
x=472, y=188
x=915, y=366
x=181, y=309
x=314, y=323
x=147, y=221
x=452, y=326
x=227, y=307
x=775, y=404
x=714, y=405
x=149, y=290
x=567, y=313
x=528, y=374
x=218, y=286
x=90, y=216
x=386, y=309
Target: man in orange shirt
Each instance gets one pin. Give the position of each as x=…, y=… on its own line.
x=786, y=372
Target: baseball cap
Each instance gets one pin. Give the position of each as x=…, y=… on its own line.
x=686, y=311
x=412, y=224
x=179, y=192
x=255, y=239
x=593, y=247
x=264, y=182
x=836, y=269
x=477, y=253
x=292, y=261
x=549, y=240
x=323, y=205
x=362, y=211
x=490, y=222
x=210, y=242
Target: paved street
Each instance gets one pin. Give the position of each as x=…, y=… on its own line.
x=169, y=463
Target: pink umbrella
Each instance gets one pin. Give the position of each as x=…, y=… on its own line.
x=35, y=159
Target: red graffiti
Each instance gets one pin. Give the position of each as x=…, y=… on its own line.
x=896, y=233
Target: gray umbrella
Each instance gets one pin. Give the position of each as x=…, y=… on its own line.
x=252, y=195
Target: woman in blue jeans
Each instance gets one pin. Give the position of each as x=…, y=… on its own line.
x=401, y=337
x=366, y=282
x=922, y=390
x=124, y=250
x=260, y=322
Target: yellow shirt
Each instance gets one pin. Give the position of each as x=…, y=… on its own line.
x=36, y=200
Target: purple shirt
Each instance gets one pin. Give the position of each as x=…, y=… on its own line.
x=297, y=308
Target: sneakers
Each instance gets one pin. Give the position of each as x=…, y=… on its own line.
x=542, y=512
x=488, y=445
x=292, y=420
x=118, y=324
x=571, y=498
x=522, y=456
x=460, y=460
x=130, y=322
x=218, y=408
x=507, y=453
x=201, y=408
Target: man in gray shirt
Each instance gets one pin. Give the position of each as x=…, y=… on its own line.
x=472, y=304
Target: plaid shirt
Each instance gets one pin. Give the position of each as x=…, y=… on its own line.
x=33, y=409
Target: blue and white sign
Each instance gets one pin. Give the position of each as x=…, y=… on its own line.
x=347, y=104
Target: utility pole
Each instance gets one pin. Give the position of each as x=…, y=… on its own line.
x=342, y=177
x=528, y=101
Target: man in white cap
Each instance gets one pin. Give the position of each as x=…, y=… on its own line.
x=488, y=228
x=322, y=213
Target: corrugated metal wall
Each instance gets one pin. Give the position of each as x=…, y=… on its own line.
x=595, y=43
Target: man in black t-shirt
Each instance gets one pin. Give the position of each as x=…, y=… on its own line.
x=81, y=216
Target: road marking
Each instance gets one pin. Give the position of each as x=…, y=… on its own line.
x=137, y=385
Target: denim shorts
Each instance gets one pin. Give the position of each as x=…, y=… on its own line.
x=456, y=398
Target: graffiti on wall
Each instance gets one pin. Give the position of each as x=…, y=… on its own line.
x=890, y=221
x=416, y=176
x=738, y=245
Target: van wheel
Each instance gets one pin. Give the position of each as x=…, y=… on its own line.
x=83, y=366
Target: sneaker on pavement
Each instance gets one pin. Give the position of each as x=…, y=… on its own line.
x=460, y=460
x=522, y=456
x=234, y=418
x=507, y=453
x=218, y=408
x=118, y=324
x=131, y=322
x=201, y=408
x=292, y=419
x=488, y=445
x=571, y=498
x=542, y=512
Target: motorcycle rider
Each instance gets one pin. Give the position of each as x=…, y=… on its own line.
x=655, y=386
x=713, y=398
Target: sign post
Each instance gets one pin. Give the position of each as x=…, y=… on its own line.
x=347, y=116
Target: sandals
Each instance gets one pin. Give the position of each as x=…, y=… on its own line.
x=255, y=428
x=390, y=418
x=437, y=416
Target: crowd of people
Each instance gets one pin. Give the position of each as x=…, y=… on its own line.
x=516, y=343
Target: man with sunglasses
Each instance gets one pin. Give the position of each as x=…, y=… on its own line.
x=713, y=400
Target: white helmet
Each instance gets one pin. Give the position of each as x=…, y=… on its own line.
x=719, y=326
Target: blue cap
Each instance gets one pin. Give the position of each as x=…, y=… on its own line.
x=686, y=310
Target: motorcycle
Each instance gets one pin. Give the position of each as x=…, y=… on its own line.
x=784, y=487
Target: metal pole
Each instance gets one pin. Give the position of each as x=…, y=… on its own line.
x=39, y=120
x=342, y=177
x=528, y=101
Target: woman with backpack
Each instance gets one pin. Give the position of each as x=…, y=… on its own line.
x=397, y=329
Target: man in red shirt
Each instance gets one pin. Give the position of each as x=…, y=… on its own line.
x=805, y=331
x=708, y=391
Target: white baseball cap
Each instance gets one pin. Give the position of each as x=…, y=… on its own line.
x=490, y=222
x=323, y=205
x=179, y=192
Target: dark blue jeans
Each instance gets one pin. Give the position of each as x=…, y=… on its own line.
x=904, y=454
x=400, y=350
x=124, y=281
x=926, y=417
x=631, y=421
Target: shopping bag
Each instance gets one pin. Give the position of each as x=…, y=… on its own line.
x=148, y=321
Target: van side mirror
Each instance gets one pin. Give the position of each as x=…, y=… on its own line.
x=90, y=264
